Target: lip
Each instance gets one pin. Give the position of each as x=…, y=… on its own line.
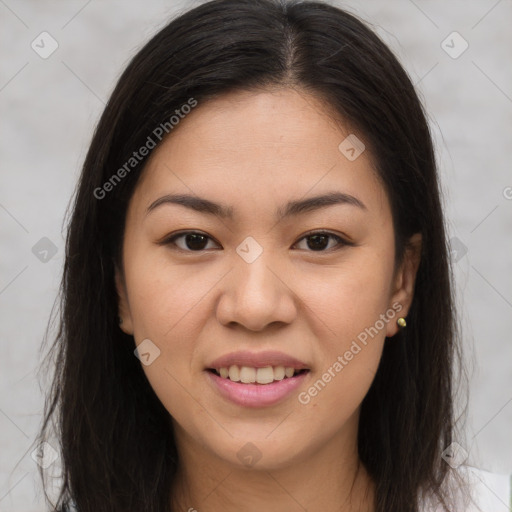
x=257, y=360
x=255, y=395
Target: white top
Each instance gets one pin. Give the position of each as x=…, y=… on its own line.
x=491, y=492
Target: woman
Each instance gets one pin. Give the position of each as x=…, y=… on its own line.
x=257, y=305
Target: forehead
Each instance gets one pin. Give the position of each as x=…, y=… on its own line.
x=244, y=148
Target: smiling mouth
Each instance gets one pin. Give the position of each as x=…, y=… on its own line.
x=250, y=375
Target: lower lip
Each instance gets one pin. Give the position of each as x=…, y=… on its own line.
x=256, y=395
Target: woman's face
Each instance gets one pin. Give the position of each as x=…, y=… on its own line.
x=250, y=293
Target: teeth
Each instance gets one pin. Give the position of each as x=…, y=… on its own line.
x=249, y=375
x=279, y=373
x=265, y=375
x=234, y=373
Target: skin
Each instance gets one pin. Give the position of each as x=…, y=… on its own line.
x=198, y=305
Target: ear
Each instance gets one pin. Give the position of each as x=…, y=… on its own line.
x=126, y=324
x=403, y=282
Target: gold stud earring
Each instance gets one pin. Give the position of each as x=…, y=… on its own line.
x=401, y=322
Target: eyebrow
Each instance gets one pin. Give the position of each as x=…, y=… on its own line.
x=292, y=208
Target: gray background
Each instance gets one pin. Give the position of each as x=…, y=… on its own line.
x=50, y=106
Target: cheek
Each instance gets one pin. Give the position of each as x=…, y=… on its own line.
x=167, y=305
x=164, y=295
x=165, y=302
x=350, y=298
x=351, y=333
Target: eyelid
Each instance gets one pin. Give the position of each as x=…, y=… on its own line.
x=342, y=240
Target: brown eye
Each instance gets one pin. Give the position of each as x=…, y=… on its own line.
x=191, y=241
x=319, y=241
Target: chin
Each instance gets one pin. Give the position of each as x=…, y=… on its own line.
x=256, y=452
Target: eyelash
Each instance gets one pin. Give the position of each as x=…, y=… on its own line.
x=341, y=241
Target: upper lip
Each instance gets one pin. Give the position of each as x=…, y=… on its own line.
x=258, y=360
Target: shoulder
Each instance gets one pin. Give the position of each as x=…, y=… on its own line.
x=489, y=491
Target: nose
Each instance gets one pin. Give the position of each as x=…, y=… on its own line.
x=256, y=295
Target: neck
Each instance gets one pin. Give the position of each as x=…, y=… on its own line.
x=331, y=478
